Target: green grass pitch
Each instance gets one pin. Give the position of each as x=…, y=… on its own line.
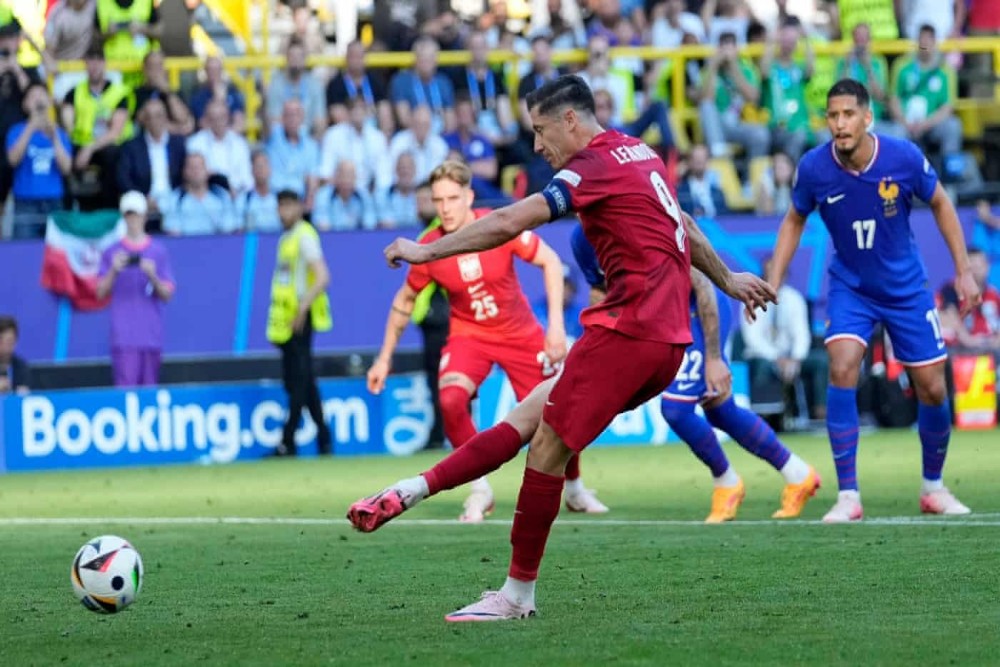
x=298, y=587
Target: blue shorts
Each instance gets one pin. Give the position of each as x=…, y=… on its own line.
x=689, y=383
x=912, y=323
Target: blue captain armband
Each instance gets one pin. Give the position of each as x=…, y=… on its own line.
x=556, y=195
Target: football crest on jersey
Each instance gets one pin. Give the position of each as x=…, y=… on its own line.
x=470, y=267
x=889, y=192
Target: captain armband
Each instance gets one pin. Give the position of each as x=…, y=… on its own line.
x=556, y=195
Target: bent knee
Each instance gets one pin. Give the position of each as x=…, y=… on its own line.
x=454, y=398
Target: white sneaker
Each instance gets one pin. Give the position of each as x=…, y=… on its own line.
x=584, y=500
x=846, y=510
x=942, y=502
x=478, y=506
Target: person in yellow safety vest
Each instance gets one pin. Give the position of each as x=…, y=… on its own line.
x=129, y=29
x=299, y=306
x=97, y=115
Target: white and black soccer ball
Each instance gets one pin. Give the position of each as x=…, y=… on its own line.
x=107, y=574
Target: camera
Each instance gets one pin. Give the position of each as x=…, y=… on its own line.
x=134, y=259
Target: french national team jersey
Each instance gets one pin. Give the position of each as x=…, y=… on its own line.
x=617, y=186
x=868, y=214
x=483, y=290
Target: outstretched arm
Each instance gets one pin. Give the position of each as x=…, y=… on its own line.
x=552, y=268
x=951, y=230
x=718, y=377
x=789, y=235
x=399, y=318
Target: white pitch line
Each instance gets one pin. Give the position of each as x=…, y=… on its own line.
x=967, y=521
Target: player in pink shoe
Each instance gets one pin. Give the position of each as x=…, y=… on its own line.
x=633, y=341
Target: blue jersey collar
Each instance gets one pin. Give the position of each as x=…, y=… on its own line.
x=871, y=162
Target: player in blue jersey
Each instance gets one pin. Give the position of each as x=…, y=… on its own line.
x=704, y=377
x=863, y=185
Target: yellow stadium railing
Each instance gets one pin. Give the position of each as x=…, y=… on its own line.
x=246, y=70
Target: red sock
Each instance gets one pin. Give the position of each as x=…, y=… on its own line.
x=458, y=424
x=537, y=507
x=573, y=467
x=484, y=453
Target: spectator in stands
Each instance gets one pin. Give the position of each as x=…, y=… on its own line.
x=654, y=115
x=306, y=29
x=135, y=272
x=98, y=116
x=356, y=140
x=537, y=169
x=979, y=331
x=784, y=85
x=15, y=375
x=700, y=192
x=670, y=23
x=40, y=154
x=294, y=155
x=153, y=162
x=923, y=98
x=226, y=153
x=128, y=30
x=157, y=84
x=424, y=86
x=773, y=193
x=476, y=150
x=69, y=31
x=729, y=84
x=345, y=205
x=778, y=346
x=397, y=24
x=722, y=16
x=397, y=206
x=354, y=81
x=947, y=17
x=217, y=88
x=428, y=148
x=257, y=210
x=198, y=207
x=986, y=235
x=14, y=82
x=560, y=22
x=488, y=93
x=297, y=82
x=600, y=76
x=872, y=70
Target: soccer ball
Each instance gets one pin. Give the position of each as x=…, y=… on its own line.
x=106, y=574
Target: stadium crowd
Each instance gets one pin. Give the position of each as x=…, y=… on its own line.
x=356, y=143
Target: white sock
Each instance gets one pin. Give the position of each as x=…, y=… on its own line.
x=727, y=479
x=849, y=495
x=413, y=490
x=931, y=485
x=481, y=486
x=795, y=470
x=519, y=592
x=574, y=485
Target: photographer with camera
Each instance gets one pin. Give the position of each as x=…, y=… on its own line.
x=136, y=273
x=40, y=154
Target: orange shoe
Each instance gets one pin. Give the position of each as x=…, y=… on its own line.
x=795, y=496
x=725, y=501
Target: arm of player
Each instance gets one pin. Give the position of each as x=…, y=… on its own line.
x=789, y=237
x=555, y=334
x=492, y=230
x=718, y=377
x=399, y=318
x=747, y=288
x=951, y=230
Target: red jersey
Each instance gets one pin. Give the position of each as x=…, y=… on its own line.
x=617, y=186
x=483, y=290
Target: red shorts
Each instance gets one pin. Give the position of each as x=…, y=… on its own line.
x=522, y=359
x=607, y=373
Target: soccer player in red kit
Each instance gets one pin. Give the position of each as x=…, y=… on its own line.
x=490, y=323
x=633, y=341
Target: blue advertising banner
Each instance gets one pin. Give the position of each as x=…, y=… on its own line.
x=224, y=423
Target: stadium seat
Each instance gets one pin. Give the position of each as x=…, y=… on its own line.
x=757, y=170
x=732, y=187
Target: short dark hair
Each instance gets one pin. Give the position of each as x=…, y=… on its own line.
x=461, y=97
x=568, y=90
x=728, y=36
x=927, y=27
x=850, y=87
x=8, y=323
x=289, y=195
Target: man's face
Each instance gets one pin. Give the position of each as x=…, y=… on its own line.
x=296, y=60
x=552, y=135
x=848, y=122
x=152, y=66
x=213, y=70
x=406, y=170
x=542, y=54
x=346, y=178
x=421, y=124
x=290, y=212
x=155, y=118
x=452, y=201
x=195, y=171
x=261, y=169
x=292, y=117
x=927, y=44
x=37, y=100
x=478, y=48
x=355, y=58
x=698, y=161
x=8, y=340
x=135, y=222
x=597, y=54
x=465, y=116
x=862, y=35
x=980, y=268
x=788, y=39
x=217, y=118
x=95, y=69
x=425, y=205
x=426, y=60
x=674, y=8
x=604, y=108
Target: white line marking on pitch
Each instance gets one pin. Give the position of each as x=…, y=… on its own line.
x=967, y=521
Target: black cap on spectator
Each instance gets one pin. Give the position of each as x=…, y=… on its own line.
x=288, y=195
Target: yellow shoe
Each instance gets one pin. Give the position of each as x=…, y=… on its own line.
x=725, y=501
x=795, y=496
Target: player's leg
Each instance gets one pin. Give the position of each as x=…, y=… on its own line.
x=526, y=364
x=700, y=437
x=915, y=331
x=754, y=435
x=852, y=320
x=583, y=402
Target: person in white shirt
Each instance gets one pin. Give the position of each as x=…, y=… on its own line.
x=361, y=143
x=600, y=76
x=226, y=153
x=777, y=346
x=428, y=149
x=947, y=17
x=257, y=210
x=198, y=207
x=670, y=22
x=344, y=206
